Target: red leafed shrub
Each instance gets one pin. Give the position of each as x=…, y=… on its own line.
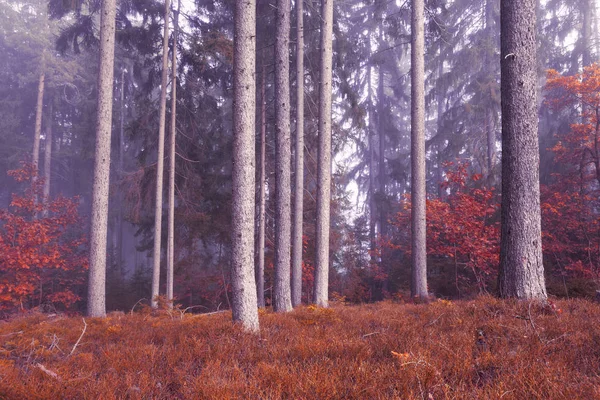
x=41, y=248
x=463, y=229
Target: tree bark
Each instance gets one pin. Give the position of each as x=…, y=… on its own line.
x=521, y=268
x=160, y=161
x=260, y=270
x=282, y=298
x=321, y=295
x=244, y=304
x=120, y=173
x=172, y=155
x=371, y=138
x=297, y=246
x=418, y=189
x=96, y=306
x=587, y=12
x=48, y=154
x=38, y=113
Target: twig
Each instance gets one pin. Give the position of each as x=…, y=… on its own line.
x=138, y=302
x=12, y=333
x=78, y=340
x=434, y=321
x=533, y=325
x=189, y=308
x=370, y=334
x=48, y=372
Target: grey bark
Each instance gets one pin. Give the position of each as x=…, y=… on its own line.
x=418, y=189
x=38, y=115
x=439, y=146
x=521, y=268
x=244, y=303
x=172, y=155
x=321, y=295
x=297, y=245
x=371, y=135
x=489, y=118
x=160, y=160
x=48, y=153
x=282, y=297
x=587, y=12
x=98, y=235
x=260, y=268
x=120, y=173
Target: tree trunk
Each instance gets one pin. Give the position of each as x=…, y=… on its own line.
x=48, y=153
x=160, y=160
x=244, y=305
x=586, y=57
x=98, y=232
x=120, y=173
x=299, y=153
x=418, y=189
x=371, y=136
x=38, y=114
x=321, y=295
x=282, y=298
x=521, y=269
x=260, y=270
x=172, y=155
x=381, y=163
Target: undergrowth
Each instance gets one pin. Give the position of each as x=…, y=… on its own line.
x=481, y=349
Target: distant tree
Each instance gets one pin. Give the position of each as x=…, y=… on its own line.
x=418, y=187
x=521, y=266
x=321, y=294
x=244, y=302
x=98, y=235
x=282, y=300
x=160, y=159
x=260, y=265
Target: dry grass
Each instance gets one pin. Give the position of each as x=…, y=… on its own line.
x=482, y=349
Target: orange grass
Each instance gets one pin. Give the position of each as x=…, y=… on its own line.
x=481, y=349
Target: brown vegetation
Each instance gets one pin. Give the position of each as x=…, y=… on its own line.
x=486, y=349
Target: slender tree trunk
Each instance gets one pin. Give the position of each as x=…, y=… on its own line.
x=282, y=298
x=439, y=146
x=521, y=268
x=98, y=236
x=371, y=136
x=321, y=295
x=299, y=153
x=260, y=270
x=120, y=172
x=587, y=12
x=381, y=165
x=244, y=304
x=160, y=160
x=38, y=117
x=48, y=153
x=418, y=189
x=172, y=155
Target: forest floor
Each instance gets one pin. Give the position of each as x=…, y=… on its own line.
x=480, y=349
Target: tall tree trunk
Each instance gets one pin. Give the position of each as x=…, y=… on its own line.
x=282, y=298
x=98, y=232
x=489, y=117
x=160, y=160
x=418, y=189
x=47, y=157
x=321, y=295
x=172, y=155
x=120, y=173
x=587, y=12
x=244, y=304
x=521, y=268
x=48, y=151
x=299, y=153
x=371, y=135
x=39, y=107
x=439, y=146
x=260, y=270
x=381, y=134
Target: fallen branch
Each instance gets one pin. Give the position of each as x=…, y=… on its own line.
x=434, y=321
x=48, y=372
x=79, y=340
x=370, y=334
x=12, y=333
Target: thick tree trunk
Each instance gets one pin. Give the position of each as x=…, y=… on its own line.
x=160, y=160
x=244, y=304
x=297, y=246
x=172, y=155
x=98, y=232
x=321, y=295
x=260, y=269
x=282, y=297
x=418, y=189
x=521, y=269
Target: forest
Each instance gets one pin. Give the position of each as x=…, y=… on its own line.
x=400, y=196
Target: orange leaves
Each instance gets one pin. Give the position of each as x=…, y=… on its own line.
x=41, y=257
